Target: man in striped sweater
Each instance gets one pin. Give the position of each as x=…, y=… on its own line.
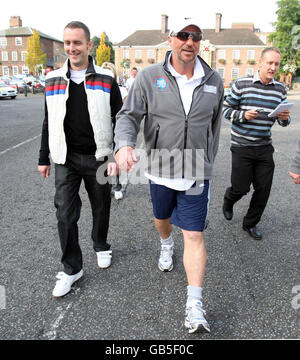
x=247, y=107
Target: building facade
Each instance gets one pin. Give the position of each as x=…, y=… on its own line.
x=233, y=52
x=13, y=48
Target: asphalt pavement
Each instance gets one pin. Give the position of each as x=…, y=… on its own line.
x=251, y=288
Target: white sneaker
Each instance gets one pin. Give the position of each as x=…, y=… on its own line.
x=118, y=195
x=194, y=317
x=64, y=283
x=165, y=261
x=104, y=258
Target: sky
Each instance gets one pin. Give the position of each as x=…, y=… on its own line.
x=120, y=18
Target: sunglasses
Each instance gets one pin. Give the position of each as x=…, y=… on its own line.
x=185, y=35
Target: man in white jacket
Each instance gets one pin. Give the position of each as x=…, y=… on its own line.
x=82, y=101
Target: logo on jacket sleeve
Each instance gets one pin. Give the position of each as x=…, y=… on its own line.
x=161, y=83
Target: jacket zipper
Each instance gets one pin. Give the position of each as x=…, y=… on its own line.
x=156, y=135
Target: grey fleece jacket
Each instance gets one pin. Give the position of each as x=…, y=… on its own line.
x=155, y=97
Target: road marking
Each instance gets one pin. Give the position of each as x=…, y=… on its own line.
x=52, y=333
x=18, y=145
x=2, y=298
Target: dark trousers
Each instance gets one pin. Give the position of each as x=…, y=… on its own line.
x=68, y=178
x=251, y=165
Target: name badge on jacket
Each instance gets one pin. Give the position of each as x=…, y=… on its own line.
x=210, y=89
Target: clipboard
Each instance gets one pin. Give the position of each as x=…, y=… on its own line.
x=280, y=108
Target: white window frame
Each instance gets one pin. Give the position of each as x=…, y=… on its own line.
x=222, y=54
x=250, y=54
x=14, y=56
x=126, y=54
x=25, y=69
x=150, y=54
x=5, y=71
x=138, y=54
x=235, y=70
x=236, y=54
x=4, y=55
x=18, y=41
x=23, y=55
x=15, y=70
x=221, y=72
x=249, y=72
x=3, y=42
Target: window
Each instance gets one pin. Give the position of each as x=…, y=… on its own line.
x=25, y=70
x=18, y=41
x=15, y=70
x=4, y=56
x=3, y=41
x=251, y=54
x=126, y=54
x=150, y=54
x=249, y=72
x=5, y=70
x=236, y=54
x=222, y=54
x=14, y=56
x=138, y=54
x=23, y=55
x=221, y=72
x=234, y=73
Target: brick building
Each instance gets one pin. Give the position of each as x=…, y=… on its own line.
x=13, y=47
x=232, y=52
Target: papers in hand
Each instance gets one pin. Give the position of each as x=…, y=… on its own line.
x=280, y=108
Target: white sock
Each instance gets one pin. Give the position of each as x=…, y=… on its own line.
x=194, y=293
x=168, y=241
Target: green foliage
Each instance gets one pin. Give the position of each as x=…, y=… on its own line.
x=287, y=32
x=35, y=57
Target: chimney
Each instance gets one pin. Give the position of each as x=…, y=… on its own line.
x=218, y=22
x=15, y=21
x=164, y=24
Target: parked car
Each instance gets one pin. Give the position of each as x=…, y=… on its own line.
x=7, y=91
x=37, y=86
x=21, y=85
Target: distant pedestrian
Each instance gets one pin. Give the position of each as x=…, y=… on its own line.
x=130, y=81
x=247, y=106
x=82, y=101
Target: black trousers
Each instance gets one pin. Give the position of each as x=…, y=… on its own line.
x=251, y=165
x=68, y=178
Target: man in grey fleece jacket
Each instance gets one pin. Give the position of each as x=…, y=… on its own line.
x=181, y=102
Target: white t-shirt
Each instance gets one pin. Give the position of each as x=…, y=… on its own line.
x=78, y=76
x=186, y=89
x=129, y=83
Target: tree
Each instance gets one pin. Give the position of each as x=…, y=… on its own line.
x=35, y=57
x=287, y=33
x=103, y=52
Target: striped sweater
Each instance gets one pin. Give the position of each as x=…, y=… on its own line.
x=250, y=93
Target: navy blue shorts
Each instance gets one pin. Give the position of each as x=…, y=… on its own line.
x=186, y=210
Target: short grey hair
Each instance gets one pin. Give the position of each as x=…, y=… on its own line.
x=270, y=48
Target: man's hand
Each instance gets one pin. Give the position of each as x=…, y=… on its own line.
x=295, y=177
x=284, y=115
x=44, y=170
x=125, y=158
x=112, y=169
x=251, y=114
